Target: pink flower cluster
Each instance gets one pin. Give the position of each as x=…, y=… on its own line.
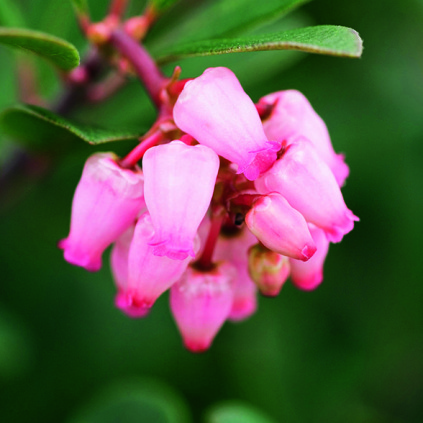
x=240, y=202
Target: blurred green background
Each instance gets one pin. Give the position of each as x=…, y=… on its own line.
x=351, y=351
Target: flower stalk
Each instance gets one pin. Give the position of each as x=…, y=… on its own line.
x=144, y=65
x=205, y=262
x=133, y=157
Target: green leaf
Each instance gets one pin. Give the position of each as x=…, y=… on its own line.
x=135, y=402
x=235, y=412
x=10, y=14
x=161, y=5
x=58, y=51
x=38, y=127
x=325, y=39
x=224, y=18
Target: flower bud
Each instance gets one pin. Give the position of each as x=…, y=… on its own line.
x=309, y=186
x=309, y=275
x=106, y=202
x=293, y=117
x=136, y=27
x=280, y=227
x=200, y=302
x=269, y=270
x=217, y=112
x=179, y=184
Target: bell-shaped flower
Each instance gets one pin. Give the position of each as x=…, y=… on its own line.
x=309, y=275
x=106, y=202
x=217, y=112
x=233, y=247
x=179, y=184
x=119, y=264
x=310, y=187
x=268, y=269
x=147, y=275
x=280, y=227
x=292, y=117
x=201, y=302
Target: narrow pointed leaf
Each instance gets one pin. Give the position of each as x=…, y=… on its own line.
x=59, y=52
x=325, y=39
x=38, y=127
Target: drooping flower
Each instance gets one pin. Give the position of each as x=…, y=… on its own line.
x=148, y=275
x=309, y=275
x=106, y=202
x=310, y=187
x=280, y=227
x=201, y=302
x=217, y=112
x=293, y=207
x=179, y=184
x=268, y=269
x=119, y=264
x=233, y=247
x=292, y=117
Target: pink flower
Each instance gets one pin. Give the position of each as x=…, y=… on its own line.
x=201, y=302
x=280, y=227
x=148, y=275
x=268, y=269
x=119, y=258
x=233, y=247
x=309, y=186
x=216, y=111
x=179, y=184
x=106, y=202
x=309, y=275
x=119, y=264
x=292, y=117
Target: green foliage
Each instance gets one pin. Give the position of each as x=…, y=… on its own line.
x=235, y=412
x=10, y=14
x=59, y=52
x=39, y=128
x=143, y=401
x=325, y=39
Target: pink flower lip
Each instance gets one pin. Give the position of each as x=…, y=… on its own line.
x=311, y=283
x=127, y=303
x=308, y=252
x=77, y=258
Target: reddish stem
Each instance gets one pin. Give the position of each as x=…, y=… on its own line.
x=138, y=152
x=205, y=261
x=118, y=8
x=143, y=63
